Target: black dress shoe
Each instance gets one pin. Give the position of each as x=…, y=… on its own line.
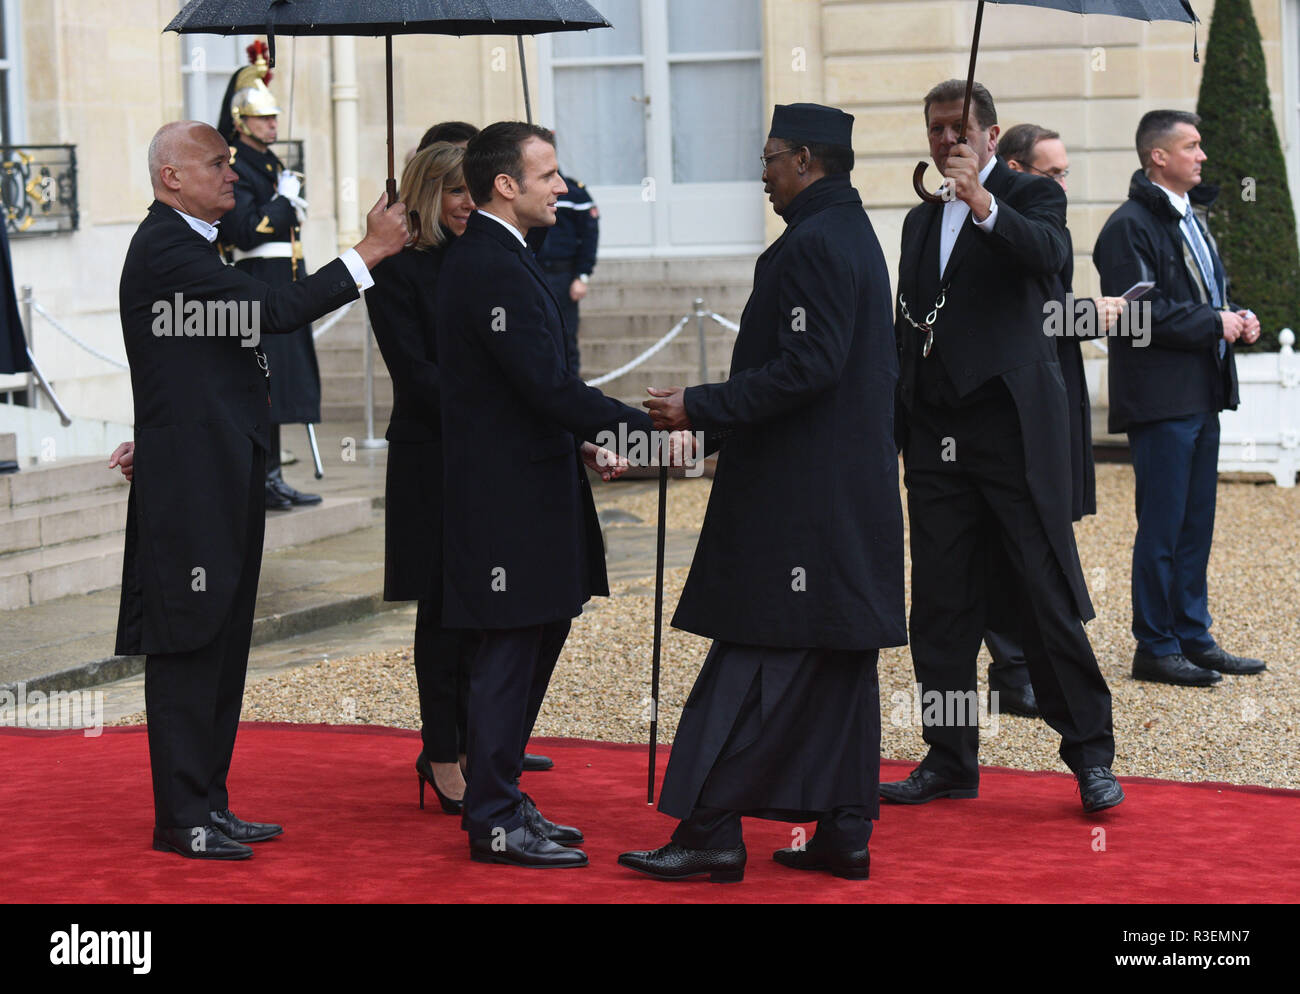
x=1014, y=700
x=199, y=842
x=238, y=830
x=1175, y=669
x=1225, y=662
x=1098, y=788
x=533, y=764
x=850, y=864
x=276, y=501
x=524, y=847
x=922, y=786
x=295, y=497
x=674, y=862
x=565, y=835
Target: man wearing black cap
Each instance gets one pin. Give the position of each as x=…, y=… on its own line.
x=983, y=418
x=798, y=574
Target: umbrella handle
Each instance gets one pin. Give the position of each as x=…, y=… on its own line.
x=919, y=186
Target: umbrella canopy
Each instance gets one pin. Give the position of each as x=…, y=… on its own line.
x=387, y=18
x=1137, y=10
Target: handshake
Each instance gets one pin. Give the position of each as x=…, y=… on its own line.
x=615, y=453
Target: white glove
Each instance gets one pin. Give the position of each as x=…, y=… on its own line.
x=289, y=186
x=299, y=207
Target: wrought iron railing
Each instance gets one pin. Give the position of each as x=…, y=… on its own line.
x=38, y=187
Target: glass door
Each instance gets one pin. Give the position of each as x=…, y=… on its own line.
x=661, y=117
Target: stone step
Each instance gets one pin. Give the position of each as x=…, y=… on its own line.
x=79, y=567
x=50, y=523
x=55, y=480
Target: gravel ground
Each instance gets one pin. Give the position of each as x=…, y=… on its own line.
x=1242, y=731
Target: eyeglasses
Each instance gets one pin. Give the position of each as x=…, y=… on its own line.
x=765, y=159
x=1056, y=176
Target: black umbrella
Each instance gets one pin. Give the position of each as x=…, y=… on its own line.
x=1139, y=10
x=385, y=18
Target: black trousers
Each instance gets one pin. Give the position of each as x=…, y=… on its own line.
x=193, y=699
x=510, y=674
x=443, y=661
x=1002, y=631
x=967, y=493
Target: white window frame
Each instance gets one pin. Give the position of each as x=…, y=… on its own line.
x=12, y=66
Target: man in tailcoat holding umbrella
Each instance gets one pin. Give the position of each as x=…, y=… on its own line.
x=195, y=518
x=798, y=574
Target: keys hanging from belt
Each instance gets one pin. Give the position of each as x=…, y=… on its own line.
x=928, y=326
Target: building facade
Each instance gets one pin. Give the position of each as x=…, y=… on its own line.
x=664, y=119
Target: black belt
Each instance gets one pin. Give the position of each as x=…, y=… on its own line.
x=559, y=266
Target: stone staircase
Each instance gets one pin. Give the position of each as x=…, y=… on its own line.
x=62, y=526
x=633, y=303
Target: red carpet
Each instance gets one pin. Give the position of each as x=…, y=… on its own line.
x=77, y=814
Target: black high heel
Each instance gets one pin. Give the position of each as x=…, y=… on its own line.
x=424, y=768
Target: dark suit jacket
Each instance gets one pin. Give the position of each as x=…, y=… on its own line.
x=1083, y=472
x=200, y=408
x=1179, y=372
x=992, y=325
x=401, y=306
x=521, y=542
x=802, y=543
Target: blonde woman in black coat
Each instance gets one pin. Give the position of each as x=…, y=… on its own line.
x=401, y=313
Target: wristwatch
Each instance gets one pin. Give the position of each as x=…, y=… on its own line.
x=585, y=277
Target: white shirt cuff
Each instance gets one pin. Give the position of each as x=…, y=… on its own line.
x=987, y=224
x=360, y=274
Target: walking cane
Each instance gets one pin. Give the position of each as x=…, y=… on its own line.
x=659, y=619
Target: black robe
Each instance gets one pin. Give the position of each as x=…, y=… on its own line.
x=259, y=217
x=13, y=346
x=798, y=573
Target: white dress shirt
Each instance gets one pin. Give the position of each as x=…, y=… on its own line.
x=954, y=216
x=507, y=225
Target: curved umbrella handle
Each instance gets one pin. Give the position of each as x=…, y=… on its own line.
x=919, y=187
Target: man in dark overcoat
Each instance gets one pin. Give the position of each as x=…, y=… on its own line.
x=983, y=422
x=522, y=549
x=798, y=574
x=262, y=235
x=195, y=516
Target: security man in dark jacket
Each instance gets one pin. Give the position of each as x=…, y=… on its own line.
x=1167, y=388
x=798, y=575
x=982, y=408
x=262, y=236
x=195, y=517
x=568, y=257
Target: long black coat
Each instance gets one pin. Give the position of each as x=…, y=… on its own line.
x=200, y=409
x=992, y=324
x=258, y=217
x=521, y=540
x=1083, y=471
x=802, y=543
x=1179, y=372
x=401, y=306
x=13, y=344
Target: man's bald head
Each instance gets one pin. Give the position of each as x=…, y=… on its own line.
x=189, y=168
